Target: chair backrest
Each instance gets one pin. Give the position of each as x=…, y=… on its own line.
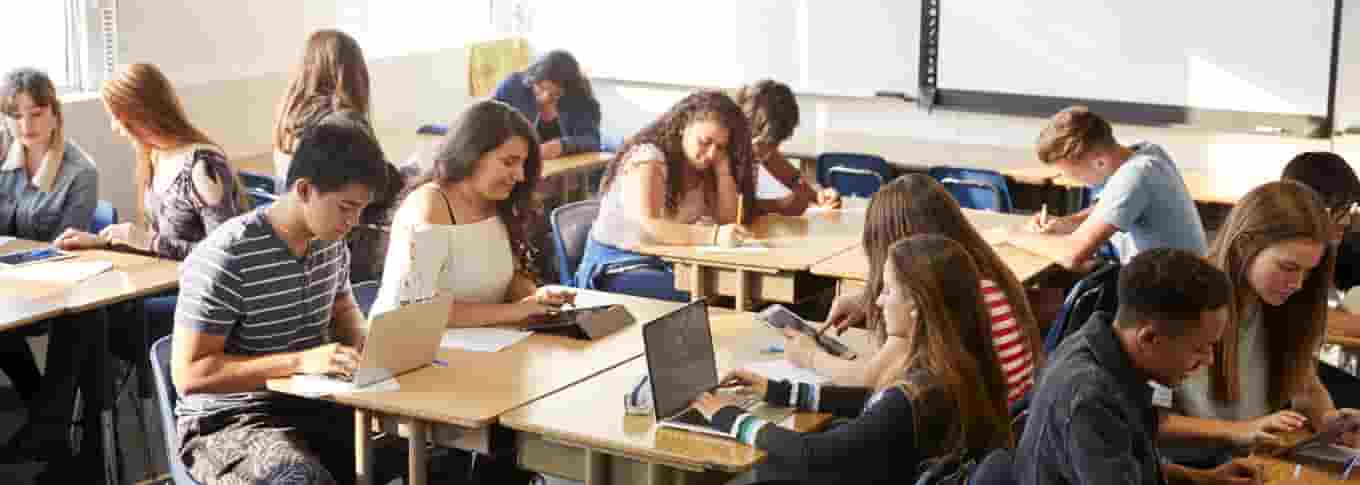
x=165, y=399
x=105, y=215
x=1097, y=291
x=259, y=181
x=259, y=198
x=997, y=468
x=979, y=189
x=570, y=230
x=365, y=293
x=852, y=174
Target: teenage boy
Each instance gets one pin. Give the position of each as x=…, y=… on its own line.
x=267, y=295
x=1092, y=420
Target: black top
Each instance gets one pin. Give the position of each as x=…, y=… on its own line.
x=548, y=130
x=1348, y=262
x=1092, y=421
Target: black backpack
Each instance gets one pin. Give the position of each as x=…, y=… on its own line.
x=951, y=471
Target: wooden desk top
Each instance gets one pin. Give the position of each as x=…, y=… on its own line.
x=132, y=276
x=738, y=340
x=853, y=264
x=1200, y=183
x=795, y=243
x=575, y=163
x=477, y=387
x=1280, y=471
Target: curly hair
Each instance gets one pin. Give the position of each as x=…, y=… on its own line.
x=667, y=134
x=478, y=130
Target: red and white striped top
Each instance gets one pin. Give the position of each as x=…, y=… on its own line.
x=1017, y=365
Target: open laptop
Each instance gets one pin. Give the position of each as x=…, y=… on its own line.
x=681, y=365
x=401, y=340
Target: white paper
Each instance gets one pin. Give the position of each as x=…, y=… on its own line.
x=6, y=240
x=482, y=339
x=58, y=271
x=785, y=371
x=1351, y=302
x=817, y=210
x=746, y=248
x=996, y=235
x=316, y=385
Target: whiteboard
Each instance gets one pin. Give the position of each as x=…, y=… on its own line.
x=815, y=46
x=1269, y=57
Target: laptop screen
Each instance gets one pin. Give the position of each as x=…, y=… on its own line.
x=680, y=358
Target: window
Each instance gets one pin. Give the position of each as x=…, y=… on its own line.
x=63, y=38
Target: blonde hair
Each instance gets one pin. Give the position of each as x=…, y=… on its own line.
x=332, y=77
x=37, y=85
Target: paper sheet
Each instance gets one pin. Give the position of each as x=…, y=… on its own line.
x=784, y=370
x=482, y=339
x=58, y=271
x=6, y=240
x=314, y=385
x=996, y=235
x=747, y=248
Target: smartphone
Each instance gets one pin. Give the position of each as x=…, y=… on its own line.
x=779, y=318
x=21, y=258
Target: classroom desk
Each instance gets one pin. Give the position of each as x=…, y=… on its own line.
x=779, y=273
x=455, y=406
x=132, y=276
x=920, y=155
x=1280, y=471
x=573, y=171
x=582, y=433
x=1201, y=184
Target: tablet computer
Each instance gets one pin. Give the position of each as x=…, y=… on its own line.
x=31, y=256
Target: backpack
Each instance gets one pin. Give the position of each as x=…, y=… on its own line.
x=953, y=470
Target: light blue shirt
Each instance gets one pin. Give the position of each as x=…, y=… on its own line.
x=1147, y=200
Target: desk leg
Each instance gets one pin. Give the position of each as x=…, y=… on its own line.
x=697, y=291
x=101, y=401
x=597, y=468
x=363, y=448
x=419, y=450
x=743, y=302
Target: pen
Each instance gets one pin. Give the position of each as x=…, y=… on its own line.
x=1350, y=464
x=741, y=209
x=1043, y=215
x=440, y=363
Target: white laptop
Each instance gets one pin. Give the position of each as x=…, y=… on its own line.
x=681, y=365
x=402, y=339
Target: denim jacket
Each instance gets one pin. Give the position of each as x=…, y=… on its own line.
x=578, y=116
x=1092, y=420
x=62, y=195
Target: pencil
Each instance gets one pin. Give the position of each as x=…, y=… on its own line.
x=741, y=209
x=1043, y=215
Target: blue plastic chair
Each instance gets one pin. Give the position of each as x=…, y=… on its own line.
x=258, y=181
x=365, y=293
x=979, y=189
x=1097, y=291
x=105, y=215
x=166, y=398
x=852, y=174
x=433, y=129
x=570, y=230
x=260, y=198
x=997, y=468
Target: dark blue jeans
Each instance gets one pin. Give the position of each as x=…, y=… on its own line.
x=605, y=267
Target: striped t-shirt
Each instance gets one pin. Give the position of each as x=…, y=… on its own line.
x=1017, y=365
x=243, y=282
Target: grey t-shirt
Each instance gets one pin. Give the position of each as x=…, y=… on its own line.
x=1194, y=397
x=1147, y=200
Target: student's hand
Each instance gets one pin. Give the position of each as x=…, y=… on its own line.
x=528, y=311
x=756, y=383
x=799, y=348
x=328, y=359
x=731, y=235
x=552, y=297
x=550, y=150
x=709, y=403
x=846, y=310
x=73, y=239
x=829, y=198
x=127, y=234
x=1344, y=417
x=1263, y=430
x=1235, y=472
x=1051, y=224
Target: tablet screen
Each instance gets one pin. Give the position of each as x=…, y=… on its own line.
x=31, y=256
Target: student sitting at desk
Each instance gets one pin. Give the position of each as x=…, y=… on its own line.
x=949, y=397
x=1335, y=181
x=912, y=205
x=676, y=182
x=1093, y=420
x=1263, y=378
x=772, y=111
x=481, y=196
x=333, y=78
x=265, y=296
x=556, y=98
x=1143, y=198
x=49, y=184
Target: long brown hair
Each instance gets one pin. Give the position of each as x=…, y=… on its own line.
x=332, y=77
x=142, y=99
x=667, y=133
x=916, y=204
x=1268, y=215
x=36, y=85
x=960, y=404
x=478, y=130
